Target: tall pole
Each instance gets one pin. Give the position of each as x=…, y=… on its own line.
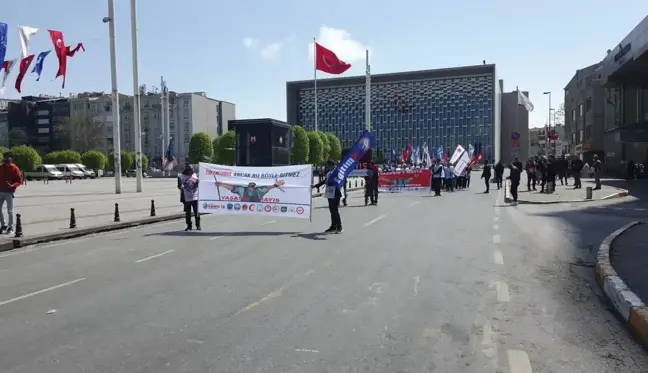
x=315, y=77
x=548, y=137
x=368, y=96
x=136, y=98
x=167, y=118
x=115, y=96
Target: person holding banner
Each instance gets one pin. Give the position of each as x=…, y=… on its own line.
x=437, y=177
x=333, y=194
x=189, y=187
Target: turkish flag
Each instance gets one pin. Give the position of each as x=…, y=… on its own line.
x=327, y=61
x=24, y=66
x=62, y=52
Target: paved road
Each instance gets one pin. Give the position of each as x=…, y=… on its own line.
x=417, y=284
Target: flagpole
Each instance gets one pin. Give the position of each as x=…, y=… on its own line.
x=115, y=96
x=368, y=95
x=517, y=111
x=136, y=99
x=315, y=78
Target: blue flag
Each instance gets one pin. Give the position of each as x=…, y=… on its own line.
x=351, y=159
x=3, y=41
x=38, y=67
x=439, y=152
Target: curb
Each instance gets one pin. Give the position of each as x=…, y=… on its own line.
x=627, y=304
x=619, y=194
x=17, y=243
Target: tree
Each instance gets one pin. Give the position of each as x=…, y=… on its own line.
x=145, y=161
x=94, y=159
x=316, y=148
x=215, y=149
x=299, y=151
x=62, y=157
x=227, y=148
x=327, y=146
x=559, y=115
x=127, y=160
x=25, y=157
x=200, y=148
x=3, y=150
x=110, y=161
x=335, y=153
x=81, y=133
x=18, y=136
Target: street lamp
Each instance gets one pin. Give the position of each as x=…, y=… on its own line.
x=110, y=20
x=136, y=98
x=548, y=119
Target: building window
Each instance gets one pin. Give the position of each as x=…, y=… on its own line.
x=588, y=104
x=580, y=135
x=573, y=115
x=580, y=110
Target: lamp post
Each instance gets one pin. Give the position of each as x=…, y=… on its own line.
x=110, y=20
x=136, y=98
x=548, y=121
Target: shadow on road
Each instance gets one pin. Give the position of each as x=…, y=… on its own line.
x=316, y=236
x=219, y=234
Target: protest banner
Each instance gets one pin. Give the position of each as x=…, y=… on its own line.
x=404, y=180
x=283, y=192
x=364, y=144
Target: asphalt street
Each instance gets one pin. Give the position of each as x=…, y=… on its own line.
x=458, y=283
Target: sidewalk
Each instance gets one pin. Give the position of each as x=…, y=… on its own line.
x=45, y=208
x=566, y=193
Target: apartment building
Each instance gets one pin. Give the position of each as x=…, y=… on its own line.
x=4, y=122
x=188, y=113
x=540, y=144
x=35, y=120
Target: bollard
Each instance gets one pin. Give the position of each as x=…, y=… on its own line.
x=152, y=208
x=117, y=219
x=72, y=219
x=588, y=193
x=19, y=232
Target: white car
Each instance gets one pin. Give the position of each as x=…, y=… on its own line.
x=86, y=171
x=70, y=170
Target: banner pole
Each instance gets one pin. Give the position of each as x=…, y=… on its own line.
x=315, y=78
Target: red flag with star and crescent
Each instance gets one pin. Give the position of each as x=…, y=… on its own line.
x=24, y=65
x=63, y=52
x=327, y=61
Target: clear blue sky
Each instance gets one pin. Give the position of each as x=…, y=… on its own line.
x=245, y=51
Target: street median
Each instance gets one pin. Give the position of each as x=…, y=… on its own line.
x=627, y=305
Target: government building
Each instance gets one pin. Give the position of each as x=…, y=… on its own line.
x=440, y=108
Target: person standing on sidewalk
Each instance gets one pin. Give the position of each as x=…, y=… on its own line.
x=514, y=178
x=499, y=173
x=486, y=175
x=576, y=166
x=531, y=174
x=10, y=180
x=598, y=168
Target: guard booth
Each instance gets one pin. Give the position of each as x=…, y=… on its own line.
x=262, y=142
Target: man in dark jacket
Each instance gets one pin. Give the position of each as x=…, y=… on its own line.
x=486, y=175
x=499, y=173
x=576, y=166
x=333, y=194
x=373, y=183
x=514, y=181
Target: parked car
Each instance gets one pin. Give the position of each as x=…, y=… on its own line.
x=133, y=173
x=44, y=171
x=86, y=171
x=70, y=170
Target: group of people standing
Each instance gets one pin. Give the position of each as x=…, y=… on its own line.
x=444, y=177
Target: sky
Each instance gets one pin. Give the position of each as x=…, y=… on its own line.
x=245, y=51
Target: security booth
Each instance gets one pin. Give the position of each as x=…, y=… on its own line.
x=262, y=142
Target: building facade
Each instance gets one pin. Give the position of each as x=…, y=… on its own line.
x=624, y=74
x=440, y=108
x=35, y=121
x=585, y=106
x=4, y=122
x=188, y=113
x=514, y=135
x=540, y=144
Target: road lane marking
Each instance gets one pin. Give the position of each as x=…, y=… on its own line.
x=498, y=258
x=519, y=361
x=154, y=256
x=269, y=222
x=41, y=291
x=497, y=211
x=375, y=220
x=306, y=350
x=495, y=227
x=502, y=291
x=497, y=238
x=217, y=237
x=496, y=219
x=272, y=295
x=417, y=279
x=414, y=203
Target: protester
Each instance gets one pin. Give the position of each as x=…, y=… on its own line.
x=333, y=194
x=486, y=175
x=598, y=169
x=514, y=178
x=468, y=171
x=437, y=177
x=189, y=187
x=373, y=183
x=576, y=167
x=449, y=175
x=10, y=180
x=499, y=173
x=530, y=169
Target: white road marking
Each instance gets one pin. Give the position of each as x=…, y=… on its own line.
x=269, y=222
x=519, y=361
x=268, y=297
x=414, y=203
x=502, y=291
x=495, y=227
x=496, y=219
x=639, y=209
x=498, y=258
x=416, y=283
x=154, y=256
x=375, y=220
x=215, y=238
x=497, y=238
x=306, y=350
x=41, y=291
x=497, y=211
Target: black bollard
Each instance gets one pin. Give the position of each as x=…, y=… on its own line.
x=72, y=219
x=152, y=208
x=18, y=226
x=117, y=219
